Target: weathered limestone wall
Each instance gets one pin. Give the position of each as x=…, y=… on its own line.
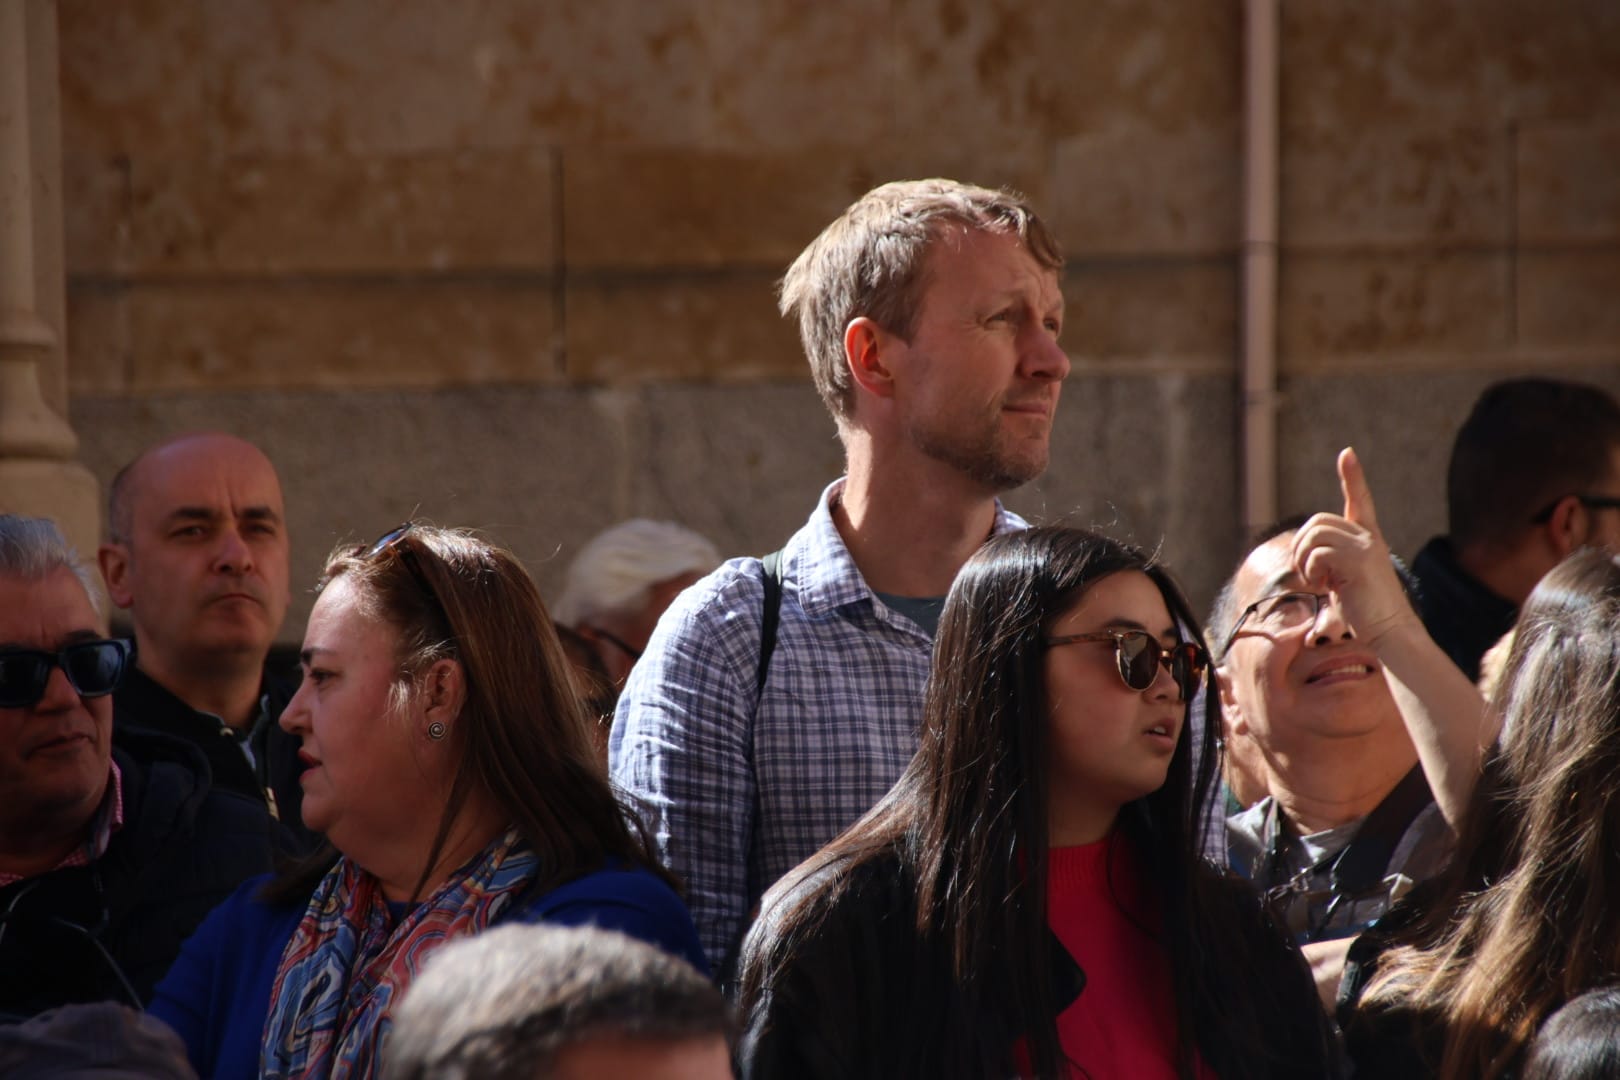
x=510, y=264
x=38, y=473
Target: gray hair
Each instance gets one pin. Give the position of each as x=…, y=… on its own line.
x=503, y=1004
x=870, y=262
x=32, y=549
x=615, y=572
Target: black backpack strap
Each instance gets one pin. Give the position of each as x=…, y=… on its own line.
x=772, y=615
x=1361, y=866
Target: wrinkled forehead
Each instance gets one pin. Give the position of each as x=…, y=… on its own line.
x=1269, y=569
x=227, y=475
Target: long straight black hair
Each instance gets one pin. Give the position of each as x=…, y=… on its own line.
x=968, y=820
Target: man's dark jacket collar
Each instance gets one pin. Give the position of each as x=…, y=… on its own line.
x=1463, y=616
x=142, y=703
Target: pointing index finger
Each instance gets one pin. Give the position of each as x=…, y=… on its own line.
x=1358, y=500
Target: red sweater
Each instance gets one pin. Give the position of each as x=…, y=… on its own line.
x=1123, y=1024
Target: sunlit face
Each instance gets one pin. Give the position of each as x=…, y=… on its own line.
x=1109, y=744
x=369, y=771
x=204, y=568
x=55, y=754
x=1289, y=689
x=977, y=386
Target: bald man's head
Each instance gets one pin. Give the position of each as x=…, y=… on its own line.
x=198, y=554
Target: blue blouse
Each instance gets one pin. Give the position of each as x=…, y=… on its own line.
x=217, y=994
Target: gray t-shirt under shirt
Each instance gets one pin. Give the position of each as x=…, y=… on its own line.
x=922, y=610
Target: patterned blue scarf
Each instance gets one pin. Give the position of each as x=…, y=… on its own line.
x=348, y=962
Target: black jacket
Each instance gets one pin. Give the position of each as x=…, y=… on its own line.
x=1398, y=1039
x=183, y=848
x=864, y=996
x=1461, y=614
x=142, y=703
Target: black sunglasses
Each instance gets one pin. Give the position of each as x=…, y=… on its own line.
x=394, y=540
x=1591, y=502
x=93, y=668
x=1139, y=656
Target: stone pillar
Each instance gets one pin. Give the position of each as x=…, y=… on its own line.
x=37, y=472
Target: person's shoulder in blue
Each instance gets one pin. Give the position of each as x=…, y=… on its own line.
x=629, y=899
x=217, y=994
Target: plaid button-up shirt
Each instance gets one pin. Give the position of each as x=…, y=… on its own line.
x=739, y=790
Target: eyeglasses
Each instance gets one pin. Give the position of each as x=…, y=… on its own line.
x=1591, y=502
x=1139, y=656
x=394, y=540
x=93, y=668
x=1277, y=614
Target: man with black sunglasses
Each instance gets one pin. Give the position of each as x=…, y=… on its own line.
x=1534, y=474
x=113, y=846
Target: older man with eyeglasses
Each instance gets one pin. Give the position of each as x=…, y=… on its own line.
x=1326, y=676
x=106, y=864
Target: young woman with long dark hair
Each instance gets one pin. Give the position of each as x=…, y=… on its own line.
x=1030, y=896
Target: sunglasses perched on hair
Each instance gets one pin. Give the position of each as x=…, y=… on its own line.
x=93, y=668
x=394, y=540
x=1139, y=657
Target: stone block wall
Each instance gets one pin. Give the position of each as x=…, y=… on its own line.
x=511, y=265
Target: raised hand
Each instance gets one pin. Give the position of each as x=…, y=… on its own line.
x=1345, y=555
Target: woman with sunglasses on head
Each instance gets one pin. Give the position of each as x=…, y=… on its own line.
x=1029, y=897
x=449, y=764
